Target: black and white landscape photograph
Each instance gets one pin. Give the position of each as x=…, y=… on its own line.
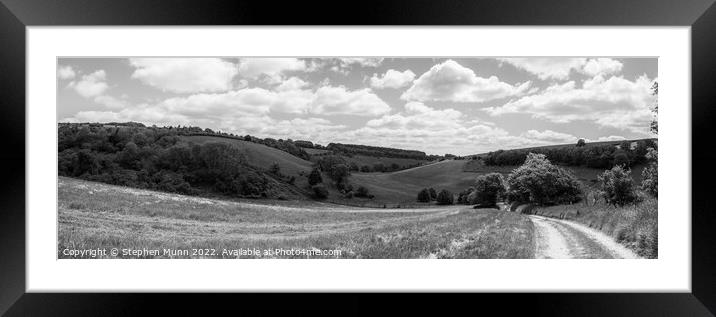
x=240, y=157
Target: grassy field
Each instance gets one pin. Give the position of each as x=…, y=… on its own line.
x=93, y=215
x=634, y=226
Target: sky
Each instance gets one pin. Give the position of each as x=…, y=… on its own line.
x=437, y=105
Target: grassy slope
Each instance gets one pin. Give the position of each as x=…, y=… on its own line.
x=260, y=155
x=95, y=215
x=403, y=186
x=386, y=161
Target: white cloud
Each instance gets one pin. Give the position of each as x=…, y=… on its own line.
x=418, y=116
x=65, y=72
x=185, y=75
x=560, y=68
x=614, y=102
x=444, y=131
x=339, y=100
x=91, y=85
x=392, y=79
x=601, y=66
x=451, y=81
x=361, y=61
x=549, y=136
x=293, y=83
x=243, y=102
x=272, y=67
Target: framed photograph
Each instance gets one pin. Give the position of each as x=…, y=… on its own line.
x=399, y=147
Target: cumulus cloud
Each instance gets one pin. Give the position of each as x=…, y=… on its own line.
x=453, y=82
x=418, y=116
x=392, y=79
x=448, y=130
x=601, y=66
x=272, y=67
x=185, y=75
x=91, y=85
x=65, y=72
x=339, y=100
x=613, y=102
x=249, y=110
x=560, y=68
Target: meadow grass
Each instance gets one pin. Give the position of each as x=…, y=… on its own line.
x=93, y=215
x=634, y=226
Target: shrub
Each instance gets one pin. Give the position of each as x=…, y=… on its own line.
x=617, y=186
x=650, y=175
x=424, y=196
x=362, y=191
x=348, y=195
x=581, y=143
x=488, y=189
x=445, y=197
x=275, y=169
x=319, y=191
x=314, y=177
x=538, y=181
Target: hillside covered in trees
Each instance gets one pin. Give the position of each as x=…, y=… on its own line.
x=157, y=158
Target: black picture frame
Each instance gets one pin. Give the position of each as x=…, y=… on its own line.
x=700, y=15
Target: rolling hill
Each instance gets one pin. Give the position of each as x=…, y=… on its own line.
x=400, y=187
x=260, y=155
x=403, y=186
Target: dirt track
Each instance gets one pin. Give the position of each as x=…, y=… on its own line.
x=560, y=239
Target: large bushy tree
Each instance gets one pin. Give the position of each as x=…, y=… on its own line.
x=617, y=186
x=445, y=197
x=539, y=181
x=489, y=189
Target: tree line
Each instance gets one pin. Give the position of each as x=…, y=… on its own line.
x=377, y=151
x=590, y=155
